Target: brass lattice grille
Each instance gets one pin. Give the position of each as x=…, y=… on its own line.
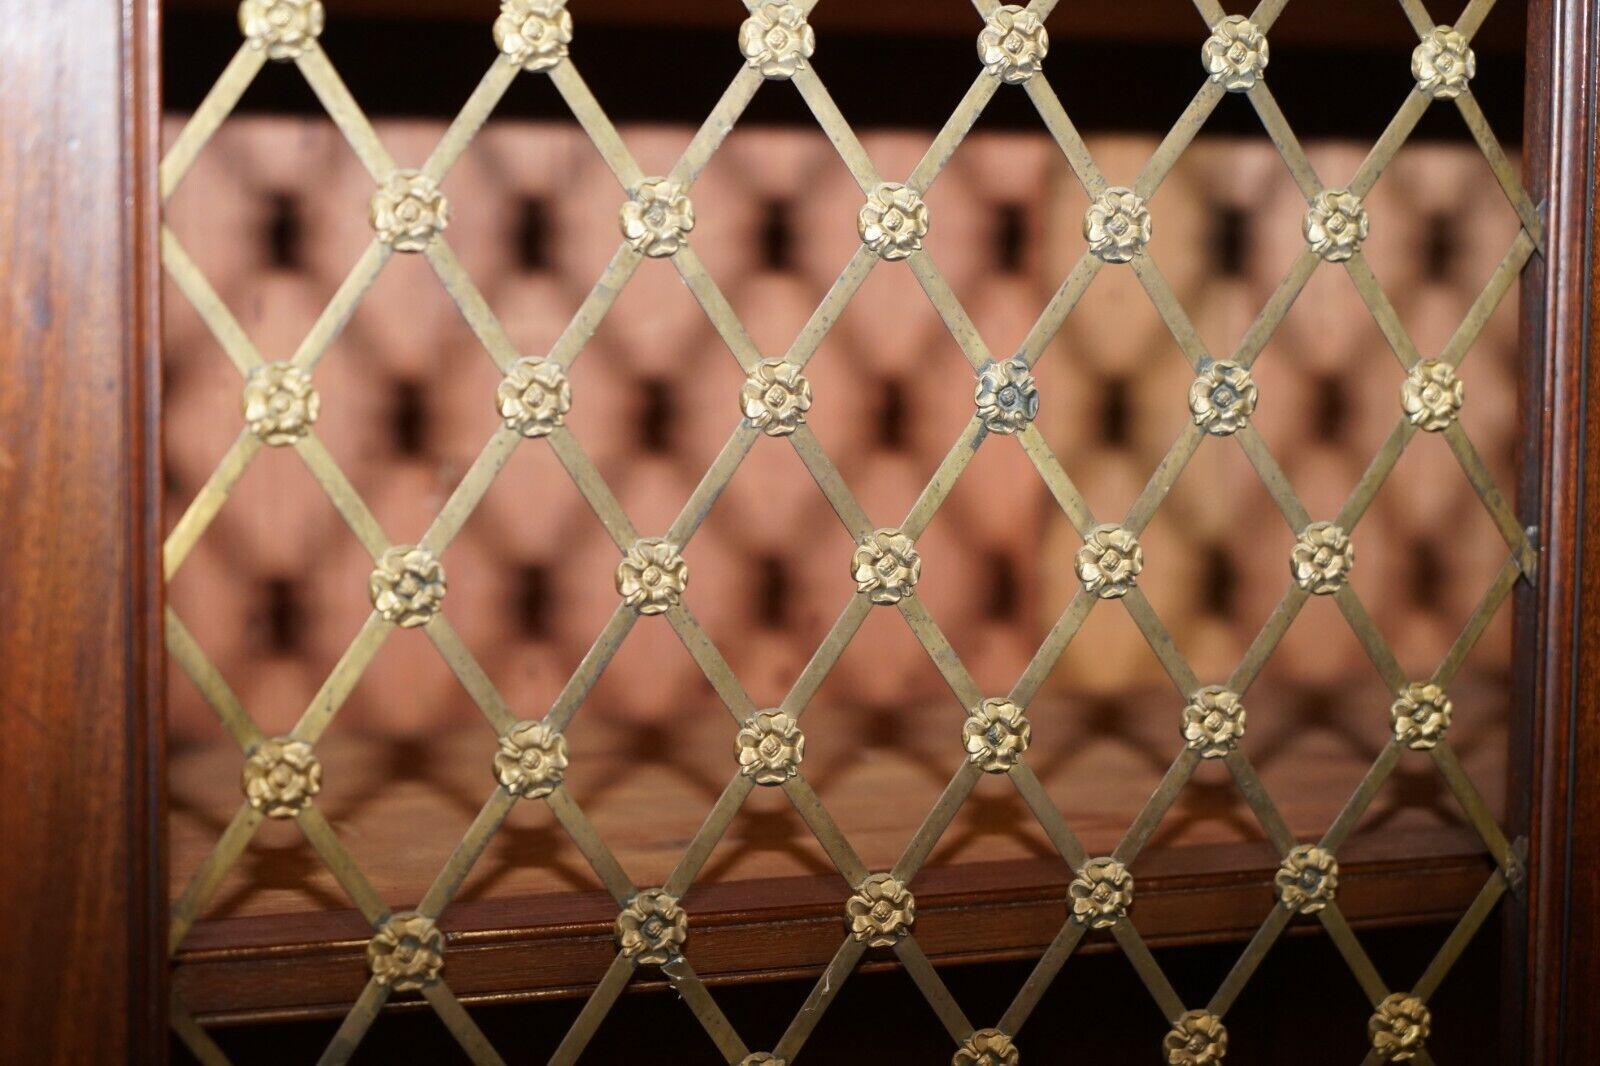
x=407, y=586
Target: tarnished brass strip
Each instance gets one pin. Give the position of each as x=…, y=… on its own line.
x=1266, y=13
x=809, y=806
x=491, y=89
x=209, y=680
x=1505, y=275
x=1388, y=143
x=1156, y=807
x=711, y=486
x=1460, y=936
x=944, y=478
x=594, y=307
x=337, y=314
x=831, y=482
x=587, y=110
x=1164, y=477
x=1066, y=494
x=1160, y=641
x=467, y=852
x=1038, y=982
x=832, y=306
x=213, y=111
x=1055, y=313
x=955, y=129
x=1273, y=478
x=343, y=495
x=938, y=820
x=208, y=502
x=836, y=128
x=698, y=999
x=1505, y=519
x=469, y=299
x=1065, y=134
x=944, y=657
x=346, y=672
x=1482, y=615
x=1471, y=19
x=822, y=993
x=1055, y=643
x=1171, y=311
x=716, y=306
x=1210, y=11
x=1383, y=312
x=1277, y=308
x=471, y=675
x=470, y=490
x=827, y=654
x=1260, y=803
x=718, y=124
x=954, y=316
x=345, y=112
x=1366, y=631
x=1245, y=966
x=1149, y=971
x=1355, y=956
x=198, y=892
x=1266, y=642
x=587, y=841
x=933, y=988
x=594, y=488
x=1421, y=22
x=1466, y=794
x=461, y=1026
x=326, y=842
x=1284, y=140
x=1505, y=172
x=711, y=663
x=1179, y=138
x=1050, y=820
x=594, y=662
x=205, y=1050
x=355, y=1025
x=1363, y=796
x=709, y=834
x=211, y=308
x=1376, y=474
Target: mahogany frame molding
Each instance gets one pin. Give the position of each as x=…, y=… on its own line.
x=82, y=971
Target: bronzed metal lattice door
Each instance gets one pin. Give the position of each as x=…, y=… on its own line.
x=990, y=732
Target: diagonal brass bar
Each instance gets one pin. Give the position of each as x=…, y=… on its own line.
x=832, y=306
x=711, y=486
x=205, y=1050
x=1388, y=143
x=717, y=125
x=831, y=482
x=1055, y=643
x=1066, y=494
x=471, y=675
x=698, y=999
x=711, y=663
x=1277, y=308
x=337, y=314
x=944, y=478
x=1505, y=172
x=207, y=503
x=1383, y=312
x=944, y=657
x=1273, y=478
x=822, y=994
x=594, y=307
x=809, y=806
x=1065, y=134
x=1505, y=519
x=938, y=820
x=933, y=988
x=1038, y=982
x=1211, y=11
x=1164, y=477
x=955, y=128
x=827, y=654
x=345, y=112
x=1482, y=906
x=1505, y=275
x=198, y=892
x=1283, y=138
x=1366, y=631
x=342, y=494
x=1160, y=641
x=346, y=672
x=470, y=119
x=1344, y=938
x=213, y=111
x=1260, y=803
x=1376, y=474
x=1362, y=798
x=950, y=310
x=1471, y=19
x=1504, y=582
x=461, y=1026
x=836, y=128
x=594, y=1011
x=1166, y=793
x=467, y=853
x=1266, y=642
x=474, y=308
x=594, y=488
x=1245, y=966
x=1421, y=22
x=1179, y=138
x=595, y=852
x=708, y=835
x=594, y=663
x=1149, y=971
x=469, y=492
x=716, y=306
x=1466, y=794
x=1055, y=313
x=209, y=680
x=1171, y=311
x=586, y=109
x=211, y=308
x=320, y=835
x=355, y=1025
x=1044, y=809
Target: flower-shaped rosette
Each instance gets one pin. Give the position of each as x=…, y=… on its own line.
x=996, y=733
x=1432, y=395
x=652, y=576
x=1213, y=721
x=881, y=912
x=1223, y=398
x=986, y=1047
x=1322, y=558
x=1197, y=1038
x=886, y=566
x=1235, y=54
x=408, y=211
x=776, y=39
x=1307, y=879
x=407, y=953
x=280, y=777
x=1117, y=225
x=532, y=760
x=534, y=397
x=279, y=403
x=652, y=928
x=657, y=217
x=775, y=397
x=1006, y=396
x=407, y=586
x=1443, y=64
x=533, y=33
x=285, y=29
x=1336, y=224
x=1012, y=44
x=1420, y=715
x=893, y=221
x=762, y=1058
x=770, y=747
x=1110, y=561
x=1101, y=893
x=1399, y=1028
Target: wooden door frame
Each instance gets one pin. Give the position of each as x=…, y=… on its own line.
x=82, y=966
